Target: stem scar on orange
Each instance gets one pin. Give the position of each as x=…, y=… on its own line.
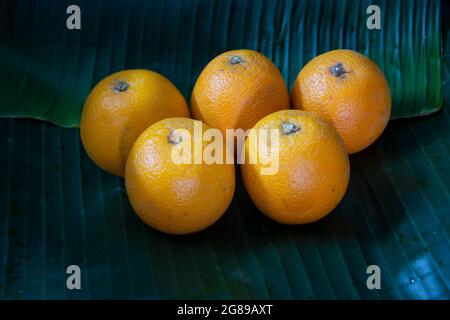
x=176, y=198
x=236, y=89
x=119, y=108
x=350, y=91
x=313, y=171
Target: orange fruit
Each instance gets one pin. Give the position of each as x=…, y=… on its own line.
x=119, y=108
x=236, y=89
x=176, y=198
x=313, y=169
x=350, y=91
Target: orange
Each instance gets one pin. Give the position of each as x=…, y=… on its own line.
x=119, y=108
x=313, y=169
x=350, y=91
x=175, y=198
x=236, y=89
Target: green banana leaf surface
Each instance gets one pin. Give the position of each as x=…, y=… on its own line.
x=57, y=208
x=48, y=70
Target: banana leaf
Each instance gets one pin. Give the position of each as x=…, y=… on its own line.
x=48, y=70
x=57, y=208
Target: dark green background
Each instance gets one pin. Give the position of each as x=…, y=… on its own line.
x=57, y=208
x=49, y=70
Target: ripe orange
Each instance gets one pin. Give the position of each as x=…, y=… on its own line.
x=175, y=198
x=313, y=169
x=236, y=89
x=348, y=90
x=119, y=108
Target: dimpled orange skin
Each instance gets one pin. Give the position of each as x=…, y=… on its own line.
x=350, y=91
x=119, y=108
x=236, y=89
x=313, y=169
x=175, y=198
